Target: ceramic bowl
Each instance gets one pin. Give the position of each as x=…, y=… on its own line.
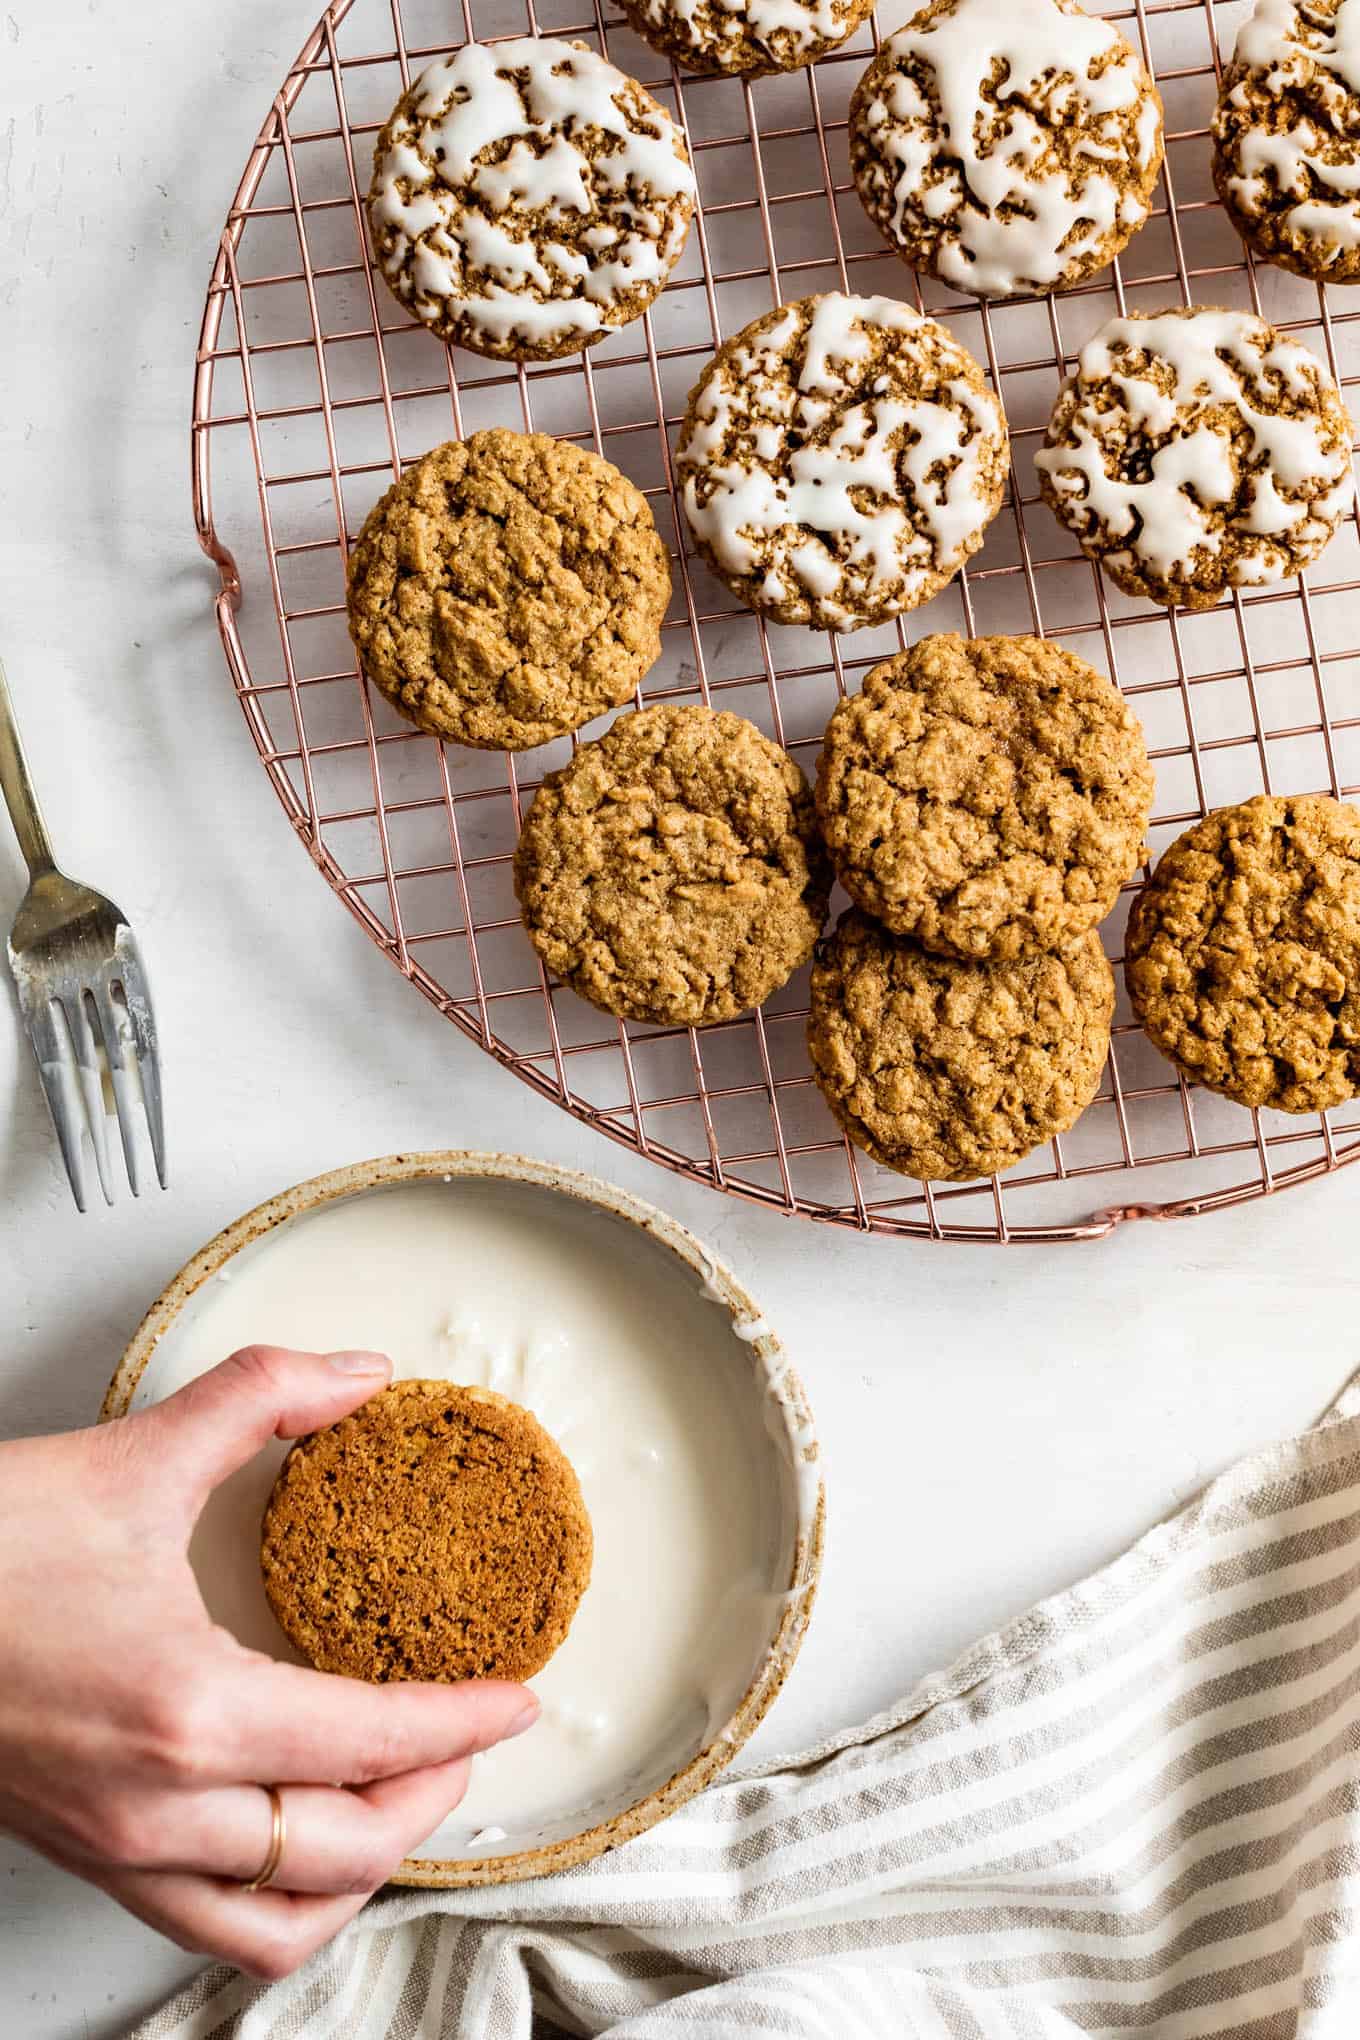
x=633, y=1242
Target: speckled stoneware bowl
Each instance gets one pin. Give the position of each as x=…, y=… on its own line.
x=636, y=1801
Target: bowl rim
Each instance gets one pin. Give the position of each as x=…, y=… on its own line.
x=750, y=1328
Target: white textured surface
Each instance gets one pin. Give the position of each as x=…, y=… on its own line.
x=994, y=1421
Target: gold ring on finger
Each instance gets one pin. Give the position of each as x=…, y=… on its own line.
x=278, y=1834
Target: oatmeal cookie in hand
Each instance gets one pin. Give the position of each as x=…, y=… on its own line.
x=1197, y=450
x=986, y=795
x=839, y=461
x=438, y=1533
x=948, y=1070
x=1286, y=137
x=528, y=198
x=1006, y=146
x=507, y=589
x=1243, y=953
x=671, y=872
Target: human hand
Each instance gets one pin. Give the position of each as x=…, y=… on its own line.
x=135, y=1735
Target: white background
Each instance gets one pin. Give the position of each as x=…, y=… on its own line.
x=995, y=1421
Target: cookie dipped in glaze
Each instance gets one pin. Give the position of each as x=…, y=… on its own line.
x=840, y=460
x=528, y=198
x=1286, y=135
x=746, y=38
x=1006, y=146
x=1197, y=450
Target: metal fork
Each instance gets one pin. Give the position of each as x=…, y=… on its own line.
x=82, y=988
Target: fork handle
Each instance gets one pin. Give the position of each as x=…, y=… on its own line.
x=17, y=786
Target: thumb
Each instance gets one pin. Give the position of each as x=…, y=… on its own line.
x=214, y=1424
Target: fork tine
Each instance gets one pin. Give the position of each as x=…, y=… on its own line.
x=52, y=1049
x=106, y=1019
x=91, y=1083
x=127, y=971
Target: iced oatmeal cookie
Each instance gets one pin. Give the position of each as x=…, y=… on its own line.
x=948, y=1070
x=1006, y=146
x=1195, y=451
x=507, y=589
x=840, y=460
x=1286, y=136
x=438, y=1533
x=671, y=872
x=528, y=198
x=749, y=37
x=1243, y=953
x=985, y=795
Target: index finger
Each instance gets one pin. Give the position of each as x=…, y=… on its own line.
x=299, y=1727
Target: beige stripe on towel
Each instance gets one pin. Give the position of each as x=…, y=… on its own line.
x=1135, y=1811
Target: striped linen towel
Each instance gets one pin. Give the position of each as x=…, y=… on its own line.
x=1134, y=1811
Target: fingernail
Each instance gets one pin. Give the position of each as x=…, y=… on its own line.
x=360, y=1363
x=526, y=1718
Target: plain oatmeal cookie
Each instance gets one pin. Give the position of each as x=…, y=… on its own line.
x=1197, y=450
x=1006, y=146
x=507, y=589
x=1287, y=137
x=528, y=198
x=1243, y=953
x=840, y=460
x=747, y=37
x=438, y=1533
x=671, y=872
x=947, y=1070
x=985, y=795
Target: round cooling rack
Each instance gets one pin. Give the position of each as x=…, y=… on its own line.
x=313, y=388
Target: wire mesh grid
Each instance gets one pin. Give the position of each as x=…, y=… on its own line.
x=313, y=389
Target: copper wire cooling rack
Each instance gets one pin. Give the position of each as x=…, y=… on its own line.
x=313, y=388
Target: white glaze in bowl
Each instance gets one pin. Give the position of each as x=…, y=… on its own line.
x=663, y=1383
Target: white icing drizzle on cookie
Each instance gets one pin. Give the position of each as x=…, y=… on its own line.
x=1287, y=53
x=1209, y=361
x=1271, y=35
x=472, y=241
x=840, y=479
x=1010, y=225
x=778, y=27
